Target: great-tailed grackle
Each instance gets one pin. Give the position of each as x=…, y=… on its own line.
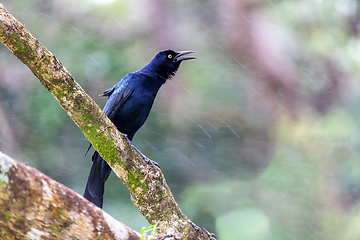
x=128, y=106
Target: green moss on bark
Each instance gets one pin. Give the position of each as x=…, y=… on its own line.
x=135, y=183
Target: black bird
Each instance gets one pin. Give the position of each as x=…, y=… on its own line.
x=128, y=106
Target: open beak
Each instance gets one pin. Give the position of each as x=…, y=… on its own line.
x=181, y=56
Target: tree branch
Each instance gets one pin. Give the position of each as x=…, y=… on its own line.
x=33, y=204
x=146, y=184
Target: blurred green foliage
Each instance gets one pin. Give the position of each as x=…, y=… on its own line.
x=240, y=158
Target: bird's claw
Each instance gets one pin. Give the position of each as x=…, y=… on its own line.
x=151, y=162
x=212, y=236
x=147, y=160
x=128, y=140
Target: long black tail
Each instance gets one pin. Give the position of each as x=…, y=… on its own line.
x=95, y=186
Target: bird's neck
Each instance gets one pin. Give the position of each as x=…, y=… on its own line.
x=153, y=71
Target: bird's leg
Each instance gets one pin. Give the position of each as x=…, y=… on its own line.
x=146, y=159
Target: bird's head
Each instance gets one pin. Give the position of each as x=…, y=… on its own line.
x=168, y=61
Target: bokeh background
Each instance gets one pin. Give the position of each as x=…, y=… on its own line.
x=259, y=138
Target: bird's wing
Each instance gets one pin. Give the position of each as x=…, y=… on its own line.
x=115, y=101
x=117, y=96
x=108, y=92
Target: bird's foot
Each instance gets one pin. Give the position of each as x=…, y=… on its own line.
x=212, y=236
x=128, y=140
x=151, y=162
x=146, y=159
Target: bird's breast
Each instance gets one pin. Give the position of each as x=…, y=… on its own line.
x=134, y=112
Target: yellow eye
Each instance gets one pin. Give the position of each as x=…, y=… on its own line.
x=170, y=56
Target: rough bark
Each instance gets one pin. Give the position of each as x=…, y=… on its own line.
x=33, y=204
x=146, y=184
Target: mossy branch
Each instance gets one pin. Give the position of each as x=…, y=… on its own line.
x=146, y=184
